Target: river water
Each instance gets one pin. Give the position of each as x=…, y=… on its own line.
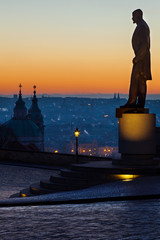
x=112, y=220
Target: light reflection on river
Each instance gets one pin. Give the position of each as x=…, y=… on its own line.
x=131, y=220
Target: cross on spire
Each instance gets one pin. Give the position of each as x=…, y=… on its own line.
x=20, y=87
x=34, y=90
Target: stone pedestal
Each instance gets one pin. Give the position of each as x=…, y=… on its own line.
x=137, y=133
x=137, y=139
x=122, y=110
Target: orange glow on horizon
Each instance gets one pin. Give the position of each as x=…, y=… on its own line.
x=71, y=76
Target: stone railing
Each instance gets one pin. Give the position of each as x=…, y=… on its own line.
x=44, y=158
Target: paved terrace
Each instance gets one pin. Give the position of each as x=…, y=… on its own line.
x=14, y=178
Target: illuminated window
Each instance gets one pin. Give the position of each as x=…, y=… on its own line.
x=56, y=151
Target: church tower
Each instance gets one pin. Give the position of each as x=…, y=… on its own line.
x=20, y=111
x=34, y=113
x=20, y=132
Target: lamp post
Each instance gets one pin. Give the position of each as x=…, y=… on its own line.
x=77, y=132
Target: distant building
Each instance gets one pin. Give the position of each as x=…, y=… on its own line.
x=15, y=96
x=91, y=148
x=105, y=151
x=24, y=131
x=118, y=96
x=87, y=148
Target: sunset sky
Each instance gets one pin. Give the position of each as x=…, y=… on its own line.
x=73, y=46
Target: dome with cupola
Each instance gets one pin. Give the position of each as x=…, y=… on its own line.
x=21, y=127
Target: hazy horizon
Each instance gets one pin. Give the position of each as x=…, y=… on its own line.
x=94, y=95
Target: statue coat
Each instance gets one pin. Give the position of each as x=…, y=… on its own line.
x=141, y=47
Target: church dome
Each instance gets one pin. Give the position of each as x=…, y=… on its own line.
x=23, y=128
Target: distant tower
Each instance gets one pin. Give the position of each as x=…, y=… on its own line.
x=118, y=97
x=114, y=96
x=20, y=111
x=34, y=113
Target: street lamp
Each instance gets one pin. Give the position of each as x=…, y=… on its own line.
x=77, y=132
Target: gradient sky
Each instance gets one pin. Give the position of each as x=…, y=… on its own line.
x=73, y=46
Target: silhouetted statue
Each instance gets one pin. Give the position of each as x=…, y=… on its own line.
x=141, y=71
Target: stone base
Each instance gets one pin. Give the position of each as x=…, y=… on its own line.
x=120, y=111
x=136, y=160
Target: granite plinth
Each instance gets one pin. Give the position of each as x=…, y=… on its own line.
x=122, y=110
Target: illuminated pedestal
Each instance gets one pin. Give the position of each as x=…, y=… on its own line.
x=137, y=133
x=137, y=140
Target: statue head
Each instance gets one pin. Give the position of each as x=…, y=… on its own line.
x=137, y=15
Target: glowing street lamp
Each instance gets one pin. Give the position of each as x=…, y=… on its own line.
x=77, y=132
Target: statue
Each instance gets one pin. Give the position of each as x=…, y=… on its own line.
x=141, y=71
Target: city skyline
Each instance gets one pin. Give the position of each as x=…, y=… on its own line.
x=73, y=47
